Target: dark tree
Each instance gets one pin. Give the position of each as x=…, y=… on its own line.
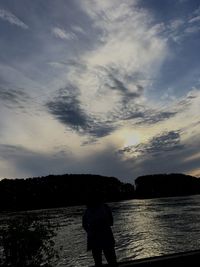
x=59, y=191
x=26, y=241
x=166, y=185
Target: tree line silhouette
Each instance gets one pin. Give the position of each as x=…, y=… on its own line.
x=59, y=190
x=166, y=185
x=72, y=189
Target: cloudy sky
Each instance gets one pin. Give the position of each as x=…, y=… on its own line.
x=108, y=87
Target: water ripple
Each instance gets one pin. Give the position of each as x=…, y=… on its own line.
x=142, y=228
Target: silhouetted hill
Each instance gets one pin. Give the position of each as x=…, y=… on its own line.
x=59, y=190
x=165, y=185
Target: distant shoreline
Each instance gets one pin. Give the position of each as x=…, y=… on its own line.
x=55, y=191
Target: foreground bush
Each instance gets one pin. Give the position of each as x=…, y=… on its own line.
x=26, y=241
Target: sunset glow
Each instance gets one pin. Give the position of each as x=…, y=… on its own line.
x=85, y=86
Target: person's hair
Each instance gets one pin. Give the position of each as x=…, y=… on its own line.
x=94, y=198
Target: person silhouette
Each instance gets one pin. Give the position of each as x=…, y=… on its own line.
x=97, y=221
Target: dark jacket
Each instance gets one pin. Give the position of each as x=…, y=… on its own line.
x=97, y=222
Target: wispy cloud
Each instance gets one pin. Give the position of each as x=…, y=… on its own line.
x=78, y=29
x=62, y=34
x=164, y=142
x=186, y=102
x=26, y=162
x=193, y=22
x=192, y=29
x=12, y=19
x=14, y=98
x=181, y=28
x=175, y=144
x=194, y=19
x=155, y=116
x=141, y=114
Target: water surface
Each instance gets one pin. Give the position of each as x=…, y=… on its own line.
x=142, y=228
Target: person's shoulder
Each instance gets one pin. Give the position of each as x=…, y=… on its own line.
x=106, y=206
x=85, y=212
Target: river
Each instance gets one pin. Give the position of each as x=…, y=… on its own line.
x=142, y=228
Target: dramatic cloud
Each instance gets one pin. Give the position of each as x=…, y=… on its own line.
x=127, y=93
x=152, y=117
x=167, y=141
x=12, y=19
x=115, y=73
x=130, y=77
x=125, y=45
x=141, y=114
x=67, y=108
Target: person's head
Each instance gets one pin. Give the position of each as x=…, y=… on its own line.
x=94, y=198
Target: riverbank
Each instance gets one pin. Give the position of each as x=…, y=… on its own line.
x=188, y=258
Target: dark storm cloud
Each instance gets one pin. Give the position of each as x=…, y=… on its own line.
x=114, y=80
x=120, y=86
x=165, y=142
x=141, y=115
x=123, y=89
x=127, y=108
x=67, y=109
x=152, y=117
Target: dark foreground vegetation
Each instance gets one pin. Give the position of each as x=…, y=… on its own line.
x=70, y=189
x=27, y=241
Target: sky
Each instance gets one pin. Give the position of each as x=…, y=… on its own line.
x=108, y=87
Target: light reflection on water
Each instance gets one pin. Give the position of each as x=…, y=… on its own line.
x=142, y=228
